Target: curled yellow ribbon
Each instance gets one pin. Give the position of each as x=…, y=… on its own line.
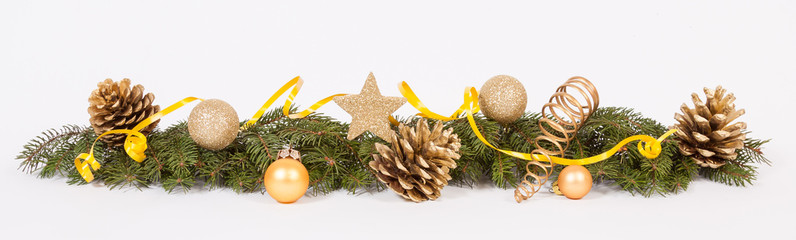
x=296, y=83
x=134, y=146
x=650, y=148
x=412, y=99
x=134, y=143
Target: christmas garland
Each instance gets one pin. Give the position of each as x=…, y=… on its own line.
x=489, y=136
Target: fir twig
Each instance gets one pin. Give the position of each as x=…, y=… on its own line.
x=175, y=162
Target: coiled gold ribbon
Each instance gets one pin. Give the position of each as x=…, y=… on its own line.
x=564, y=129
x=134, y=144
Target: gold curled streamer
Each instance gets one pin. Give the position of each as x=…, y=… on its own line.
x=134, y=144
x=296, y=84
x=563, y=131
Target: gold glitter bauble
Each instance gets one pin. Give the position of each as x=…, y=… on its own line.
x=503, y=99
x=213, y=124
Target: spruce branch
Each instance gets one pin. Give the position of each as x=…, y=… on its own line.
x=628, y=168
x=51, y=148
x=177, y=164
x=741, y=171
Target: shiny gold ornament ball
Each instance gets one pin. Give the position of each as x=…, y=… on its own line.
x=574, y=181
x=286, y=180
x=213, y=124
x=503, y=98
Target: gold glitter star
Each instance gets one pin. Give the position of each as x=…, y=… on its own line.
x=369, y=110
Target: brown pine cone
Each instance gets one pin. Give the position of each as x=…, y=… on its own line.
x=114, y=105
x=417, y=165
x=705, y=132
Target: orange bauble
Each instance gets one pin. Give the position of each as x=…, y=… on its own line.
x=286, y=180
x=574, y=181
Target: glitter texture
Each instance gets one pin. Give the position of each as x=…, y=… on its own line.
x=213, y=124
x=503, y=99
x=369, y=110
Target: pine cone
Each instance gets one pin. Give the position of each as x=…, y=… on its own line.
x=417, y=165
x=113, y=105
x=705, y=132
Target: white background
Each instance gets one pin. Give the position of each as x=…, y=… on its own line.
x=649, y=56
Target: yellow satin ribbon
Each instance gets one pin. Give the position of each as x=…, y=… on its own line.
x=296, y=83
x=412, y=99
x=138, y=142
x=650, y=149
x=134, y=143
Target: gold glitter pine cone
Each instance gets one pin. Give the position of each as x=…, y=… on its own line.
x=705, y=132
x=418, y=164
x=114, y=105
